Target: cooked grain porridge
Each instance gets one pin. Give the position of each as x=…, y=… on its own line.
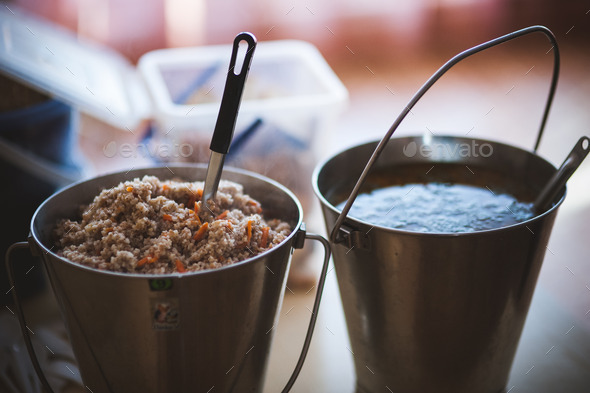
x=156, y=227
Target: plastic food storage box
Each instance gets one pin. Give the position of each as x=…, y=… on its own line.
x=289, y=85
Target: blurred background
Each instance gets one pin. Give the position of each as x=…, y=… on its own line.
x=373, y=28
x=382, y=51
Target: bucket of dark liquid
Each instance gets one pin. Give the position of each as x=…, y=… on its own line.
x=440, y=259
x=437, y=247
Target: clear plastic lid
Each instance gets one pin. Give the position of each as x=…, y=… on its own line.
x=94, y=79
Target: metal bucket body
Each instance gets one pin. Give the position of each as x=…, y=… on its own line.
x=201, y=331
x=431, y=312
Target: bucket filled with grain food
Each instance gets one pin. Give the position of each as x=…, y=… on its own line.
x=162, y=292
x=437, y=248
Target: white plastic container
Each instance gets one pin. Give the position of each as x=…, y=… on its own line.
x=290, y=85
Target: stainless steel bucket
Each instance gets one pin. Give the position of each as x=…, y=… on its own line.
x=219, y=323
x=430, y=312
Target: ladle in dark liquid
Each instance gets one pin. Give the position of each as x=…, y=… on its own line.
x=558, y=180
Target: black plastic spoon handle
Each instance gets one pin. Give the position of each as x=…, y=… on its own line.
x=232, y=95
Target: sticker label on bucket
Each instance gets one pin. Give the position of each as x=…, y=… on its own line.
x=160, y=284
x=165, y=314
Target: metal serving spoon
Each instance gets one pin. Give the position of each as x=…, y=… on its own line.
x=228, y=112
x=558, y=180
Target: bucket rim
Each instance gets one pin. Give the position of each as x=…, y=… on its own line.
x=48, y=251
x=324, y=202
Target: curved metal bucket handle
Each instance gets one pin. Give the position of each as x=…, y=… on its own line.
x=316, y=306
x=298, y=243
x=334, y=235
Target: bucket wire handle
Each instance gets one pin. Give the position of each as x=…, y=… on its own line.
x=314, y=313
x=21, y=316
x=334, y=238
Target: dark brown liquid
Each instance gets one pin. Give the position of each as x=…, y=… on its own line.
x=444, y=198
